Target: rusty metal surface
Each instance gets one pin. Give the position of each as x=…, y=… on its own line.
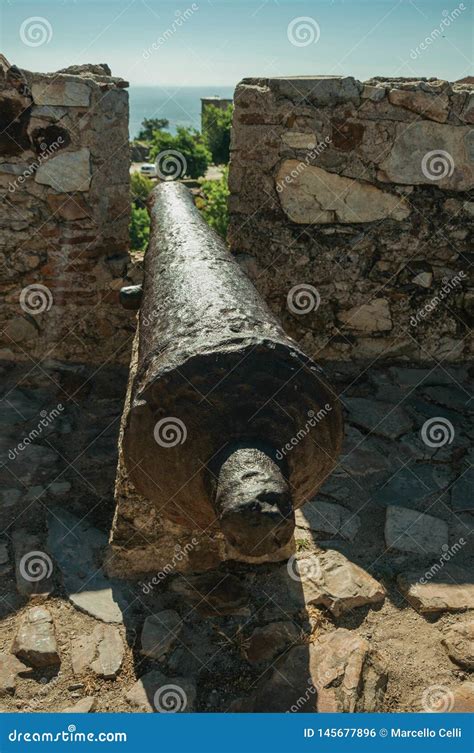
x=214, y=368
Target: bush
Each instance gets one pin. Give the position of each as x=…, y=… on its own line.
x=213, y=203
x=216, y=126
x=139, y=229
x=140, y=187
x=149, y=126
x=188, y=143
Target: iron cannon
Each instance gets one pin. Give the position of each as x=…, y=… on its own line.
x=219, y=390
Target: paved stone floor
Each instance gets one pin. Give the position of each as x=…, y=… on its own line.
x=375, y=610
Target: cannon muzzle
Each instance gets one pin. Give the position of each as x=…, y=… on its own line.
x=230, y=424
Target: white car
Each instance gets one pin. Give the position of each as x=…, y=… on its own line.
x=148, y=169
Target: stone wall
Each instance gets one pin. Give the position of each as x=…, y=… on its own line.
x=350, y=210
x=64, y=183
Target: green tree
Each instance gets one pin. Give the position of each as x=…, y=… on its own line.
x=216, y=126
x=213, y=203
x=149, y=126
x=139, y=229
x=191, y=156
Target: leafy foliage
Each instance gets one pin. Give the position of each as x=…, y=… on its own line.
x=213, y=203
x=139, y=229
x=140, y=187
x=149, y=126
x=216, y=126
x=187, y=142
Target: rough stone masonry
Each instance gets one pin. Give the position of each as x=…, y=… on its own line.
x=64, y=214
x=350, y=209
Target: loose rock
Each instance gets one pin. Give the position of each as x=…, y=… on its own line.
x=459, y=643
x=331, y=580
x=84, y=706
x=35, y=641
x=267, y=642
x=160, y=632
x=10, y=668
x=449, y=589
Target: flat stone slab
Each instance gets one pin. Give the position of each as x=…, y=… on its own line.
x=411, y=531
x=463, y=699
x=10, y=668
x=382, y=419
x=78, y=547
x=102, y=652
x=156, y=693
x=160, y=632
x=459, y=643
x=328, y=518
x=333, y=581
x=35, y=641
x=449, y=589
x=413, y=485
x=337, y=673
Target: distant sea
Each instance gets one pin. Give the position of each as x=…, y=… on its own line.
x=181, y=106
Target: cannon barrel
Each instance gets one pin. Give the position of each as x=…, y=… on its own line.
x=220, y=391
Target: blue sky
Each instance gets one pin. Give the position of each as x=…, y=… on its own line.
x=221, y=41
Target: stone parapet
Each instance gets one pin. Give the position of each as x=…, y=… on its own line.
x=350, y=210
